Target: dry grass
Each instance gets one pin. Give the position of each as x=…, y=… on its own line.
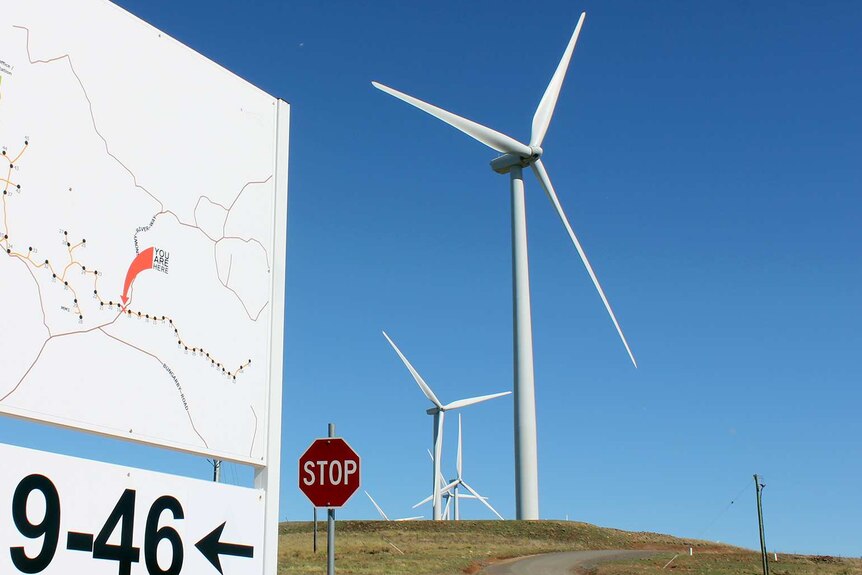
x=734, y=563
x=449, y=548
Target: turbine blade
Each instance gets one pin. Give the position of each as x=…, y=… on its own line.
x=411, y=518
x=424, y=501
x=449, y=486
x=473, y=400
x=431, y=455
x=422, y=385
x=458, y=460
x=482, y=499
x=446, y=509
x=379, y=510
x=491, y=138
x=545, y=111
x=542, y=175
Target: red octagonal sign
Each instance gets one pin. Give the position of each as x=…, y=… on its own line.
x=329, y=472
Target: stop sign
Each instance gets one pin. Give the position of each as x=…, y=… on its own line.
x=329, y=472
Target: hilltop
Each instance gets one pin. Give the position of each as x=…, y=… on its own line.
x=450, y=548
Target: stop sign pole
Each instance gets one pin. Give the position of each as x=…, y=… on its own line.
x=330, y=528
x=329, y=475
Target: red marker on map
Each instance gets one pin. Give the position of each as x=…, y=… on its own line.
x=143, y=261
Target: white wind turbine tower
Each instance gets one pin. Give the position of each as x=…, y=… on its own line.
x=517, y=156
x=439, y=412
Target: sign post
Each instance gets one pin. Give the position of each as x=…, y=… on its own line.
x=330, y=527
x=314, y=513
x=329, y=474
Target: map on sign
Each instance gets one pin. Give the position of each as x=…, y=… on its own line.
x=137, y=232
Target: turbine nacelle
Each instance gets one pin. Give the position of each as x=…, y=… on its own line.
x=505, y=163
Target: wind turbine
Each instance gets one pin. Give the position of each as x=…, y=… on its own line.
x=459, y=481
x=517, y=156
x=447, y=492
x=386, y=517
x=439, y=412
x=452, y=487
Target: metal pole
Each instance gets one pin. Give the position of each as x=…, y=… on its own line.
x=436, y=500
x=216, y=470
x=315, y=529
x=526, y=458
x=330, y=542
x=330, y=528
x=455, y=495
x=765, y=560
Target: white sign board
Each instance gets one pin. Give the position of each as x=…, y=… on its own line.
x=142, y=232
x=66, y=515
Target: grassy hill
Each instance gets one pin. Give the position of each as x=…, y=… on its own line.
x=452, y=548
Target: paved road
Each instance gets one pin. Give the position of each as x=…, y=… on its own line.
x=561, y=563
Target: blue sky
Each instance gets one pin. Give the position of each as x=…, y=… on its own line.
x=708, y=156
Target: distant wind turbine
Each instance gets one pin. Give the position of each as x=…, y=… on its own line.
x=439, y=412
x=517, y=156
x=451, y=489
x=386, y=517
x=447, y=492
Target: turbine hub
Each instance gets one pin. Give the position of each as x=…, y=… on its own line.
x=537, y=153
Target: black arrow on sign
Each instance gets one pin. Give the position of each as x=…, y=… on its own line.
x=211, y=547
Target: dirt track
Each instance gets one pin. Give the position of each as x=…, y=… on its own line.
x=561, y=563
